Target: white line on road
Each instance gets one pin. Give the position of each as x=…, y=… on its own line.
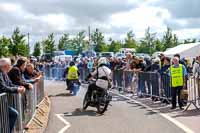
x=64, y=121
x=177, y=123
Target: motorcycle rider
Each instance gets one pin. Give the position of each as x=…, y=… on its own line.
x=72, y=75
x=103, y=76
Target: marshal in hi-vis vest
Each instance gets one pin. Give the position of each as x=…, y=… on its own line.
x=72, y=73
x=176, y=76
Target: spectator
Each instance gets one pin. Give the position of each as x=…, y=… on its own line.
x=177, y=73
x=139, y=67
x=129, y=60
x=30, y=74
x=155, y=67
x=90, y=65
x=196, y=73
x=180, y=61
x=154, y=78
x=7, y=86
x=165, y=79
x=148, y=65
x=166, y=66
x=162, y=58
x=16, y=74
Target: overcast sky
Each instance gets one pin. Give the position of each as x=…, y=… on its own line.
x=112, y=17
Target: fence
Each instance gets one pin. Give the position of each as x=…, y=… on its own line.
x=193, y=95
x=153, y=84
x=4, y=123
x=57, y=73
x=25, y=105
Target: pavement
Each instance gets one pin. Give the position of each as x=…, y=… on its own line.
x=126, y=114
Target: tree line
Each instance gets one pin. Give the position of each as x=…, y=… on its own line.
x=17, y=44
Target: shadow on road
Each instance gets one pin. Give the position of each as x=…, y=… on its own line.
x=116, y=98
x=80, y=112
x=188, y=113
x=61, y=95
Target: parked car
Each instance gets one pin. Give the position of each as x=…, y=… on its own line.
x=46, y=57
x=156, y=54
x=143, y=55
x=121, y=55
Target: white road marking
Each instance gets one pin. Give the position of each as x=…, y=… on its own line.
x=177, y=123
x=64, y=121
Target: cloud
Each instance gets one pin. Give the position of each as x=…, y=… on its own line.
x=113, y=17
x=141, y=18
x=181, y=8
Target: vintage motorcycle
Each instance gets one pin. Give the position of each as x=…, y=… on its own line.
x=100, y=99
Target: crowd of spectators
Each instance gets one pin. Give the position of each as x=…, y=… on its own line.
x=17, y=76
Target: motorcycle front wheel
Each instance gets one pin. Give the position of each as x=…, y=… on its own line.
x=102, y=107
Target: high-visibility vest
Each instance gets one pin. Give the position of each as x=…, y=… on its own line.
x=72, y=73
x=176, y=76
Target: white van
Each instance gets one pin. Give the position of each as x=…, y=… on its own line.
x=64, y=58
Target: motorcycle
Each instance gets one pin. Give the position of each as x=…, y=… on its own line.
x=100, y=99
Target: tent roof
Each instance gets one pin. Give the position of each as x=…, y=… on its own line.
x=180, y=48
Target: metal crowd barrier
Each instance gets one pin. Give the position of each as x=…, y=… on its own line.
x=83, y=73
x=25, y=104
x=149, y=84
x=154, y=85
x=4, y=118
x=57, y=73
x=54, y=73
x=142, y=83
x=192, y=88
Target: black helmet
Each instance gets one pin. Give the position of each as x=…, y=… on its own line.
x=72, y=63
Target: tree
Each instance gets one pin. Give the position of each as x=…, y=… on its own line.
x=147, y=44
x=18, y=44
x=115, y=46
x=4, y=44
x=49, y=44
x=98, y=39
x=37, y=50
x=64, y=42
x=158, y=45
x=79, y=41
x=130, y=42
x=169, y=40
x=186, y=41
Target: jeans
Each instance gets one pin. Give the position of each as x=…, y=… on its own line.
x=13, y=114
x=141, y=88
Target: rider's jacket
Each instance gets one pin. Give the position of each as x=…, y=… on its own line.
x=72, y=73
x=103, y=75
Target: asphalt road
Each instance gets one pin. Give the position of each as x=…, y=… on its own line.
x=122, y=116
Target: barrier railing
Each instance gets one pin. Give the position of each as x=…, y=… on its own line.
x=4, y=118
x=192, y=92
x=25, y=104
x=153, y=84
x=57, y=73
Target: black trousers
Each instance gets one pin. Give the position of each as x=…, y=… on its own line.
x=91, y=87
x=176, y=91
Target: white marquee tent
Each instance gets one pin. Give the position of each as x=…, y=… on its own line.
x=185, y=50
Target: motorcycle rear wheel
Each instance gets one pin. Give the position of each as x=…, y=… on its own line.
x=85, y=101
